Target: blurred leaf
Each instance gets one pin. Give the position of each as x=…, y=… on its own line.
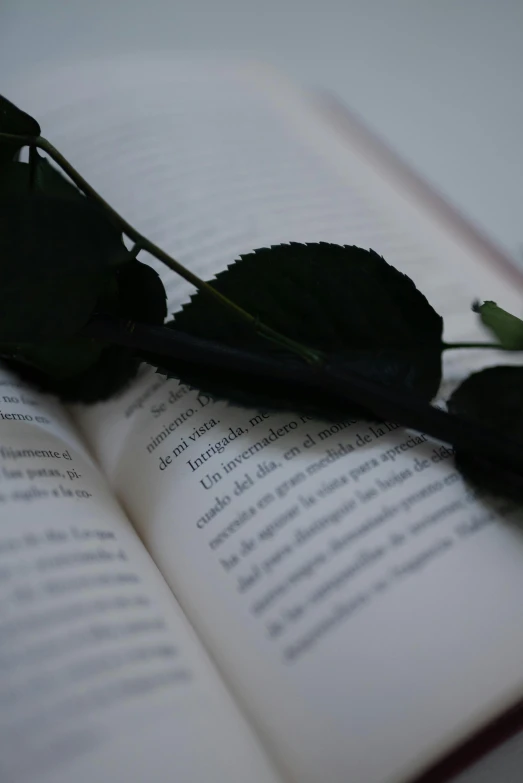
x=51, y=183
x=493, y=397
x=57, y=358
x=54, y=262
x=141, y=293
x=14, y=120
x=112, y=371
x=15, y=180
x=9, y=151
x=61, y=260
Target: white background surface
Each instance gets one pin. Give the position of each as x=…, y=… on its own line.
x=440, y=81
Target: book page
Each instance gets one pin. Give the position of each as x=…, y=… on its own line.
x=361, y=601
x=99, y=670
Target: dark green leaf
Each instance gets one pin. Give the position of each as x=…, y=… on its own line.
x=9, y=151
x=141, y=293
x=79, y=369
x=506, y=327
x=345, y=301
x=15, y=121
x=57, y=358
x=138, y=295
x=493, y=397
x=54, y=262
x=111, y=372
x=50, y=182
x=60, y=260
x=15, y=180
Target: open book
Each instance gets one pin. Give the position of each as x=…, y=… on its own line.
x=195, y=592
